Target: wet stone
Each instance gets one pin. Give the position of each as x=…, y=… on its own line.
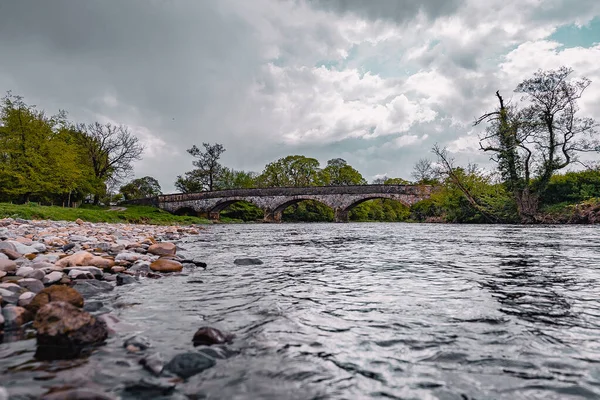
x=91, y=287
x=153, y=363
x=93, y=306
x=124, y=279
x=77, y=394
x=189, y=364
x=55, y=293
x=149, y=388
x=247, y=261
x=137, y=343
x=206, y=336
x=31, y=284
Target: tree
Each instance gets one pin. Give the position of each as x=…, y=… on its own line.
x=111, y=150
x=291, y=171
x=423, y=172
x=530, y=144
x=338, y=173
x=207, y=164
x=141, y=188
x=232, y=179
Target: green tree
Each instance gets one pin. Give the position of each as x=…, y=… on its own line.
x=339, y=173
x=208, y=169
x=530, y=144
x=232, y=179
x=141, y=188
x=295, y=171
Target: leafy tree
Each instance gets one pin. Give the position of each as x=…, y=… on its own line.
x=232, y=179
x=141, y=188
x=339, y=173
x=111, y=150
x=531, y=143
x=295, y=170
x=208, y=169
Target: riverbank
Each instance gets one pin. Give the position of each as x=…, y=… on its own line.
x=50, y=271
x=130, y=214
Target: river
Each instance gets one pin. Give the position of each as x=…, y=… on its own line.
x=361, y=311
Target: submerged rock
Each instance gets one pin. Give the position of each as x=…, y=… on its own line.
x=92, y=287
x=124, y=279
x=65, y=331
x=208, y=336
x=55, y=293
x=189, y=364
x=137, y=343
x=150, y=388
x=77, y=394
x=247, y=261
x=153, y=363
x=15, y=316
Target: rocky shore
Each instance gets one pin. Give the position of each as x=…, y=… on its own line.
x=48, y=272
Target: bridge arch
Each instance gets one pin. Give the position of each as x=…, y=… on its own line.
x=342, y=213
x=189, y=211
x=215, y=212
x=276, y=213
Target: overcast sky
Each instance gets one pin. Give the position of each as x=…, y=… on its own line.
x=376, y=82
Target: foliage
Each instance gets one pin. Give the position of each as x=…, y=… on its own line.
x=141, y=188
x=208, y=169
x=133, y=214
x=298, y=171
x=338, y=173
x=532, y=142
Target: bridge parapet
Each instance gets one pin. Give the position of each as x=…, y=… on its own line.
x=274, y=200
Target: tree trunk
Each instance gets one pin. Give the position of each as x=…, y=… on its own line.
x=527, y=205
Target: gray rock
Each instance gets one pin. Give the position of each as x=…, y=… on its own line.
x=247, y=261
x=128, y=256
x=7, y=245
x=96, y=272
x=93, y=306
x=40, y=247
x=8, y=266
x=31, y=284
x=153, y=363
x=25, y=298
x=79, y=274
x=3, y=256
x=189, y=364
x=80, y=238
x=42, y=265
x=23, y=248
x=137, y=342
x=8, y=296
x=13, y=287
x=142, y=267
x=150, y=388
x=36, y=274
x=124, y=279
x=3, y=274
x=52, y=277
x=24, y=271
x=91, y=287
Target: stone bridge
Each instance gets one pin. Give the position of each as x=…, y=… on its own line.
x=274, y=200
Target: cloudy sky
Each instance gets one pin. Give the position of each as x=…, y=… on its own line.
x=376, y=82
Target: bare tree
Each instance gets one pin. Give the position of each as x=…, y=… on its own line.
x=531, y=143
x=423, y=171
x=207, y=163
x=112, y=149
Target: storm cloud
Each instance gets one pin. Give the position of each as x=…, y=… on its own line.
x=377, y=83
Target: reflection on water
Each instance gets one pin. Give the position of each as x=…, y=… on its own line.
x=352, y=311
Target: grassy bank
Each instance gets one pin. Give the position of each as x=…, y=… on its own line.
x=132, y=214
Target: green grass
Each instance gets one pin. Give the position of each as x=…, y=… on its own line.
x=133, y=214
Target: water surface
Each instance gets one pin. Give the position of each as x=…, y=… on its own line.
x=360, y=311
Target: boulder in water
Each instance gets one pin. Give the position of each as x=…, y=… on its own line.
x=189, y=364
x=55, y=293
x=208, y=336
x=247, y=261
x=65, y=331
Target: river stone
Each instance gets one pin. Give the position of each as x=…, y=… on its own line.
x=8, y=296
x=42, y=265
x=13, y=287
x=40, y=247
x=95, y=272
x=101, y=262
x=128, y=256
x=151, y=388
x=91, y=287
x=52, y=277
x=189, y=364
x=78, y=274
x=208, y=336
x=11, y=254
x=153, y=363
x=140, y=266
x=68, y=247
x=163, y=249
x=65, y=331
x=31, y=284
x=15, y=316
x=117, y=269
x=166, y=265
x=137, y=343
x=36, y=274
x=4, y=257
x=8, y=266
x=77, y=394
x=55, y=293
x=124, y=279
x=8, y=246
x=24, y=271
x=25, y=299
x=25, y=249
x=247, y=261
x=3, y=274
x=79, y=258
